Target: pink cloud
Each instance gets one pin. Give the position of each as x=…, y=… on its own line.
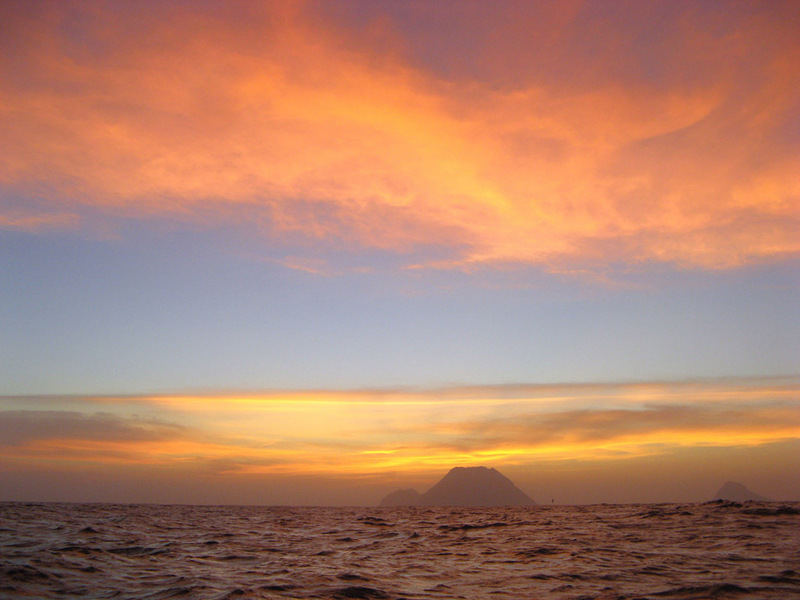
x=586, y=146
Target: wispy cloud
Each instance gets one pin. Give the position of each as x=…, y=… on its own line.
x=35, y=221
x=277, y=115
x=345, y=434
x=18, y=427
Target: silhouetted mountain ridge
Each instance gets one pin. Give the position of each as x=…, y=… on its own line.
x=733, y=490
x=465, y=486
x=407, y=497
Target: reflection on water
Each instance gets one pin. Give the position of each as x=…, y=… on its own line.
x=667, y=551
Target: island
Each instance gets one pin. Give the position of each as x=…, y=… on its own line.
x=737, y=492
x=465, y=486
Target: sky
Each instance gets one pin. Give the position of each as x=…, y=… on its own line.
x=312, y=252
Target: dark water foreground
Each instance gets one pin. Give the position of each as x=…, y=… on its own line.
x=659, y=552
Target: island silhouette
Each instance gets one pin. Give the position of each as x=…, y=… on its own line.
x=464, y=486
x=735, y=491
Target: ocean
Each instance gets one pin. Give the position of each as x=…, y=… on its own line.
x=656, y=551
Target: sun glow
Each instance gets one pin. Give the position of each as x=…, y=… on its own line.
x=274, y=249
x=353, y=434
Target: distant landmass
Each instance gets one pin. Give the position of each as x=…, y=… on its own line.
x=465, y=486
x=402, y=498
x=737, y=492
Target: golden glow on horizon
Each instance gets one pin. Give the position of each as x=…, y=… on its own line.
x=326, y=434
x=284, y=119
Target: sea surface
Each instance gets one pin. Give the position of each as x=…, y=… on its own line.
x=655, y=551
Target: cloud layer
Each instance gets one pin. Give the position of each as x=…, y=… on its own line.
x=353, y=435
x=568, y=137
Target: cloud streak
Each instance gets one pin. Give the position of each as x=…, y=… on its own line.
x=318, y=131
x=340, y=434
x=18, y=427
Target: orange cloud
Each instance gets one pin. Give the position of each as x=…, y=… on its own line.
x=27, y=221
x=353, y=434
x=270, y=112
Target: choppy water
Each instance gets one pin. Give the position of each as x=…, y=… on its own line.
x=659, y=552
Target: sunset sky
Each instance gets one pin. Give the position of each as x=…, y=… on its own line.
x=312, y=252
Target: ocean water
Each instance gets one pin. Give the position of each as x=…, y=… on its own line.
x=660, y=552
